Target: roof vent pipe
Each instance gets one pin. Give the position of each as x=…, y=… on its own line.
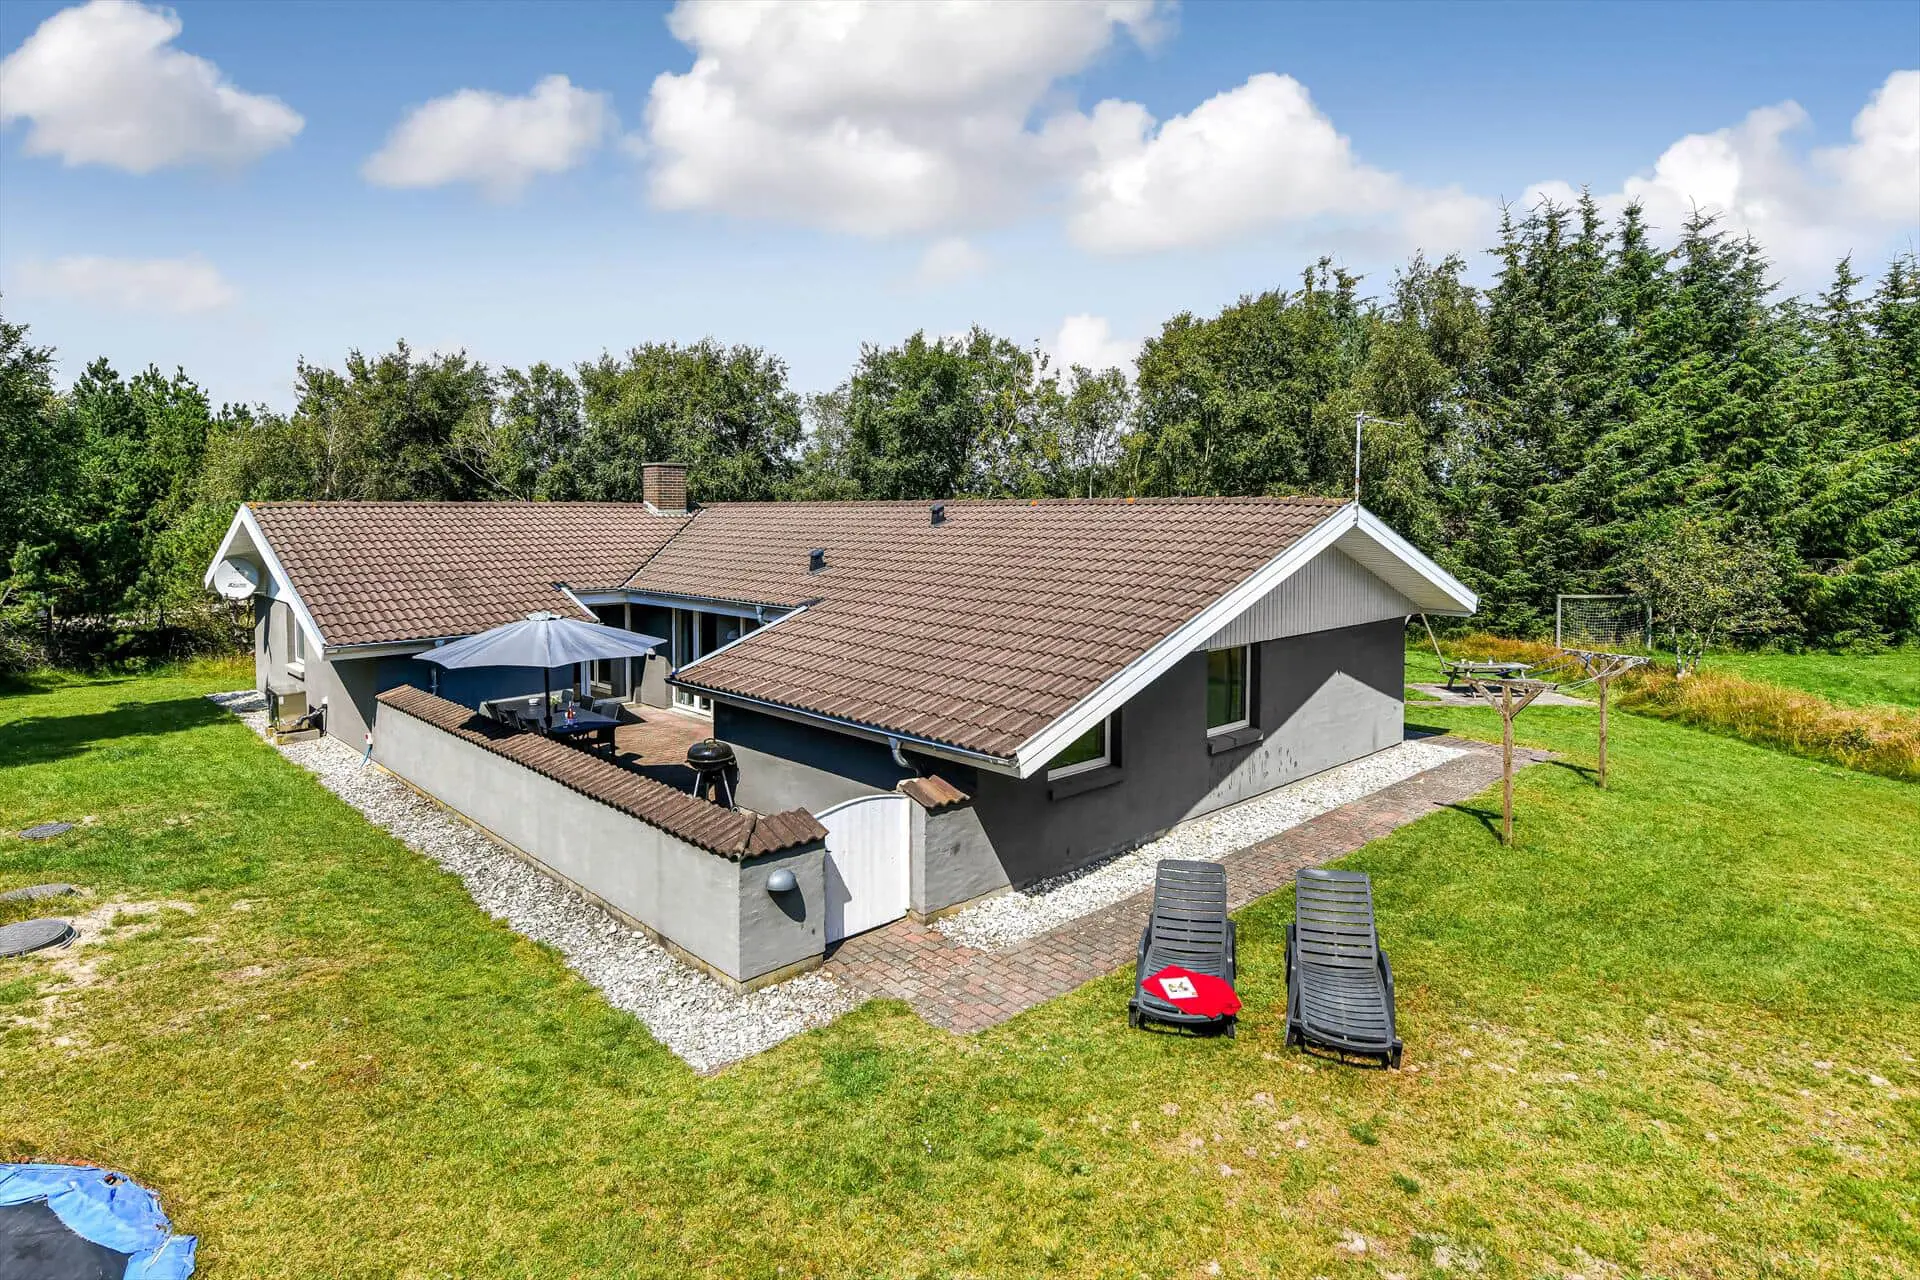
x=816, y=559
x=939, y=513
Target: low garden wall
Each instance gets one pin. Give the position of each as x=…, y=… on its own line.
x=713, y=907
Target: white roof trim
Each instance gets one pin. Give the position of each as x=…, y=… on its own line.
x=244, y=522
x=1455, y=591
x=1343, y=526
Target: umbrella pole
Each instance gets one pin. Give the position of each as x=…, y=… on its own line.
x=546, y=696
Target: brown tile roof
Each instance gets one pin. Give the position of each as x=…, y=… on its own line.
x=730, y=833
x=933, y=793
x=377, y=572
x=978, y=632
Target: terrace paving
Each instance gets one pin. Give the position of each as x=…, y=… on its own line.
x=965, y=990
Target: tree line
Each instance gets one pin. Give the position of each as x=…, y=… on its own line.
x=1605, y=401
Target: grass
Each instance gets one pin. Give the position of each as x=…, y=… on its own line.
x=1856, y=680
x=1672, y=1032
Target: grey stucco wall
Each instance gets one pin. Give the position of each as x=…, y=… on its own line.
x=713, y=908
x=1321, y=700
x=956, y=861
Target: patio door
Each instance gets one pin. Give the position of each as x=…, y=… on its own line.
x=694, y=636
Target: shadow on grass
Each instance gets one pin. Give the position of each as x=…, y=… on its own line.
x=1488, y=818
x=1414, y=731
x=1586, y=771
x=41, y=739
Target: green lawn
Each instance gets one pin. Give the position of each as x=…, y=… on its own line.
x=1859, y=680
x=1672, y=1033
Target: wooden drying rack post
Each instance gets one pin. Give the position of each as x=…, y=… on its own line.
x=1509, y=698
x=1602, y=669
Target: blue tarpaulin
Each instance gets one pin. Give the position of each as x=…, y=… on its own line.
x=105, y=1208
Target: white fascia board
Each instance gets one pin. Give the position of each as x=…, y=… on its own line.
x=387, y=648
x=1383, y=533
x=244, y=522
x=1119, y=688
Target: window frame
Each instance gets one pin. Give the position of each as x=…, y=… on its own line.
x=1105, y=760
x=1246, y=692
x=296, y=646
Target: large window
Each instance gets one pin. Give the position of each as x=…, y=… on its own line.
x=1229, y=689
x=1091, y=750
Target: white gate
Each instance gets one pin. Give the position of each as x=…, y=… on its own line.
x=867, y=856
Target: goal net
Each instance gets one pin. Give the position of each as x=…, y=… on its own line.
x=1611, y=623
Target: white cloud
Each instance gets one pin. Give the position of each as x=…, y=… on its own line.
x=174, y=286
x=101, y=86
x=1088, y=340
x=1880, y=171
x=949, y=260
x=496, y=142
x=869, y=117
x=1806, y=209
x=1260, y=155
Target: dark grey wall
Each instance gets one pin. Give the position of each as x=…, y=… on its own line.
x=349, y=686
x=788, y=765
x=1321, y=700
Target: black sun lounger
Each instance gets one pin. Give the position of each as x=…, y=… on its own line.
x=1339, y=984
x=1189, y=928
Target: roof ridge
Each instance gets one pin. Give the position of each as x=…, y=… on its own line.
x=1264, y=499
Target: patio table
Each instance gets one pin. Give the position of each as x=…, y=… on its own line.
x=587, y=726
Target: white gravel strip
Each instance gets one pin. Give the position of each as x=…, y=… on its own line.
x=1003, y=922
x=702, y=1021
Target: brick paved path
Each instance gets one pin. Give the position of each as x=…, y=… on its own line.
x=966, y=990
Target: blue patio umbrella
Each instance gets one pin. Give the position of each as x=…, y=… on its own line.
x=544, y=640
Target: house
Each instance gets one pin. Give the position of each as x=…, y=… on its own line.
x=927, y=702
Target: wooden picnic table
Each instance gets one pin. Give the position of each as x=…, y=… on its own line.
x=1493, y=668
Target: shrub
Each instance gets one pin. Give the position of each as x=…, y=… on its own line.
x=1882, y=740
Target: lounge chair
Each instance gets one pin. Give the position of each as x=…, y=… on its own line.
x=1339, y=984
x=1189, y=928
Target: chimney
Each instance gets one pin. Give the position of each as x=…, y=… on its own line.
x=939, y=513
x=663, y=486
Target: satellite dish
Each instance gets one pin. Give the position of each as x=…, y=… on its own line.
x=236, y=579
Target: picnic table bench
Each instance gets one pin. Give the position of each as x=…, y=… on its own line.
x=1468, y=668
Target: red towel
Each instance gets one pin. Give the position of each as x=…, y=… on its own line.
x=1190, y=992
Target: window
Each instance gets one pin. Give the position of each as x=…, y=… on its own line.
x=1087, y=752
x=296, y=645
x=1229, y=691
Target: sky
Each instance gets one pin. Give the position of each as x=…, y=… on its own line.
x=232, y=187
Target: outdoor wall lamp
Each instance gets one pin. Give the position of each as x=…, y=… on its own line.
x=781, y=881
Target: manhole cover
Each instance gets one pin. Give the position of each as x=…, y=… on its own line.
x=35, y=892
x=32, y=935
x=46, y=831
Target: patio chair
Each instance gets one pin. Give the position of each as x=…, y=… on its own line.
x=1188, y=927
x=1339, y=984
